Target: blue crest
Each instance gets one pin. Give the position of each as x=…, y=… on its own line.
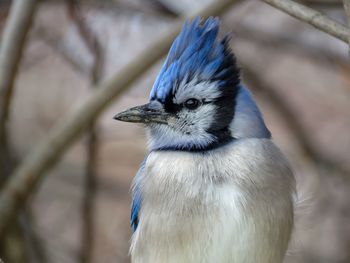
x=196, y=52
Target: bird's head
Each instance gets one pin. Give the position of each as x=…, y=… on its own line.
x=193, y=102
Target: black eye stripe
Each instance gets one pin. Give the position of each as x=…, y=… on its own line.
x=171, y=106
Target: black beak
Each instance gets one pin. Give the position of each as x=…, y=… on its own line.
x=149, y=113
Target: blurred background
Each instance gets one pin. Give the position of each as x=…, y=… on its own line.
x=80, y=211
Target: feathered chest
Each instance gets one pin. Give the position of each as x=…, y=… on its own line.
x=184, y=181
x=184, y=195
x=199, y=207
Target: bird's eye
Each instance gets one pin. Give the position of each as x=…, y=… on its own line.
x=192, y=104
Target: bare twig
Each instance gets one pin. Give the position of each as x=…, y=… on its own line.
x=313, y=17
x=162, y=7
x=287, y=42
x=12, y=44
x=346, y=4
x=13, y=247
x=35, y=247
x=91, y=41
x=27, y=176
x=53, y=41
x=347, y=11
x=323, y=3
x=90, y=187
x=13, y=39
x=148, y=7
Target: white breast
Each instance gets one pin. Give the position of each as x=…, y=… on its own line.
x=230, y=205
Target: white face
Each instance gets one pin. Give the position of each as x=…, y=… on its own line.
x=190, y=124
x=198, y=90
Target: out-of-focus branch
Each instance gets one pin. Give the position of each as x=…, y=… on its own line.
x=347, y=12
x=347, y=9
x=53, y=41
x=13, y=39
x=163, y=7
x=12, y=44
x=35, y=247
x=260, y=86
x=27, y=176
x=90, y=184
x=91, y=41
x=293, y=44
x=323, y=3
x=4, y=9
x=312, y=17
x=148, y=7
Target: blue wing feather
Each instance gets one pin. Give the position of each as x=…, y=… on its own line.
x=136, y=198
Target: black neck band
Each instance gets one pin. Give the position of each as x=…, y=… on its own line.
x=223, y=137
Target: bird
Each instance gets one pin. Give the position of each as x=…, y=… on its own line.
x=213, y=187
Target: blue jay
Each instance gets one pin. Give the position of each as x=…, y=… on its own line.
x=213, y=188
